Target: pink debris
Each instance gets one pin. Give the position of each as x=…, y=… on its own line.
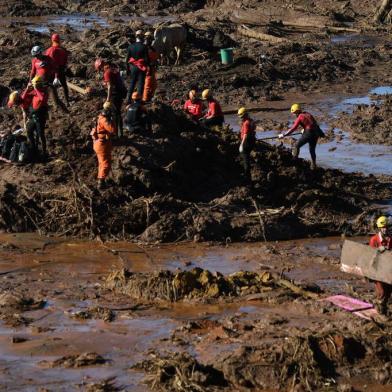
x=348, y=303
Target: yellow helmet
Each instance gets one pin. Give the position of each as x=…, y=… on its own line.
x=205, y=94
x=382, y=221
x=13, y=98
x=107, y=105
x=241, y=112
x=37, y=81
x=295, y=108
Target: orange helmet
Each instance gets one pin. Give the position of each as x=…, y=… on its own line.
x=99, y=63
x=55, y=37
x=136, y=96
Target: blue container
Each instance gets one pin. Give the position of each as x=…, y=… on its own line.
x=227, y=56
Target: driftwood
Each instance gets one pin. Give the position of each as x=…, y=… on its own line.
x=247, y=32
x=76, y=88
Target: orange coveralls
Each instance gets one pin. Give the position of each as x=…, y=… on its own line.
x=150, y=83
x=102, y=145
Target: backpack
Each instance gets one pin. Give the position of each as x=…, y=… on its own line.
x=13, y=157
x=6, y=145
x=24, y=154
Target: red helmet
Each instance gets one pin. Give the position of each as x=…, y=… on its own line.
x=136, y=96
x=99, y=63
x=55, y=37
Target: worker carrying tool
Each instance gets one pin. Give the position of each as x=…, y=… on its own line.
x=60, y=58
x=102, y=133
x=136, y=118
x=214, y=114
x=137, y=65
x=45, y=67
x=194, y=106
x=116, y=90
x=150, y=83
x=248, y=139
x=34, y=104
x=382, y=241
x=310, y=135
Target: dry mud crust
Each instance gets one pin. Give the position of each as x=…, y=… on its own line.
x=179, y=183
x=369, y=123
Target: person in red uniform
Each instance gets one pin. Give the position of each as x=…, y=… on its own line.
x=116, y=90
x=310, y=134
x=383, y=242
x=102, y=134
x=248, y=139
x=194, y=106
x=34, y=103
x=150, y=83
x=214, y=114
x=60, y=58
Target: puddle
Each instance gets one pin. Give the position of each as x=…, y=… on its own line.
x=355, y=39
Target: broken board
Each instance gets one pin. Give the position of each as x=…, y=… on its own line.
x=353, y=305
x=362, y=260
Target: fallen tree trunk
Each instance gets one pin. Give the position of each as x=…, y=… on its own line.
x=247, y=32
x=383, y=11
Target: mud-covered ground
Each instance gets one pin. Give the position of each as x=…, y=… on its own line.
x=87, y=316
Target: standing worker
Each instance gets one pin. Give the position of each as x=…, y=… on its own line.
x=310, y=135
x=137, y=65
x=102, y=134
x=383, y=242
x=116, y=90
x=194, y=106
x=150, y=84
x=214, y=114
x=248, y=139
x=136, y=118
x=44, y=66
x=60, y=58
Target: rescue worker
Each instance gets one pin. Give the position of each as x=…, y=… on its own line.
x=194, y=106
x=310, y=135
x=248, y=139
x=136, y=118
x=44, y=66
x=383, y=242
x=34, y=103
x=60, y=58
x=116, y=90
x=137, y=65
x=102, y=134
x=150, y=83
x=214, y=114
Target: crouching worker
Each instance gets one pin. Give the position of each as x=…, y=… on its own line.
x=136, y=118
x=310, y=134
x=102, y=134
x=193, y=107
x=248, y=139
x=383, y=242
x=214, y=114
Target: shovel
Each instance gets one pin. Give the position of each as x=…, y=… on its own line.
x=275, y=137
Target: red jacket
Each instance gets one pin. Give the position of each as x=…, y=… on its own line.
x=376, y=241
x=248, y=128
x=306, y=121
x=45, y=68
x=214, y=109
x=58, y=55
x=194, y=108
x=34, y=98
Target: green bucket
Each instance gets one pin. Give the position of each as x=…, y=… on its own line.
x=227, y=56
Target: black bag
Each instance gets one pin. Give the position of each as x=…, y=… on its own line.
x=6, y=145
x=14, y=152
x=24, y=155
x=319, y=132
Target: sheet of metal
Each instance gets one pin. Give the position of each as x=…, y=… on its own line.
x=359, y=259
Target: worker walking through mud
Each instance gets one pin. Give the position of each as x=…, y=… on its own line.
x=137, y=65
x=60, y=59
x=383, y=242
x=248, y=140
x=214, y=115
x=102, y=134
x=310, y=135
x=150, y=83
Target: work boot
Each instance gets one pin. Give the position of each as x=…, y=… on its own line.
x=101, y=183
x=313, y=165
x=295, y=152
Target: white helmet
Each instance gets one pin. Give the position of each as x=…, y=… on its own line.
x=36, y=50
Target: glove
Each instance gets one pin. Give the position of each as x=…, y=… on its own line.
x=56, y=82
x=281, y=136
x=241, y=149
x=381, y=249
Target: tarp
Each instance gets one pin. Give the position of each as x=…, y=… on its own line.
x=362, y=260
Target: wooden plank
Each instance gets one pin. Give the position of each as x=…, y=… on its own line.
x=362, y=260
x=76, y=88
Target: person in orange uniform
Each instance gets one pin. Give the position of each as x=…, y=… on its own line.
x=248, y=139
x=383, y=242
x=102, y=134
x=34, y=104
x=60, y=58
x=150, y=83
x=116, y=90
x=194, y=106
x=214, y=114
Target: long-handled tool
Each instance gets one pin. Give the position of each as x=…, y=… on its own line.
x=275, y=137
